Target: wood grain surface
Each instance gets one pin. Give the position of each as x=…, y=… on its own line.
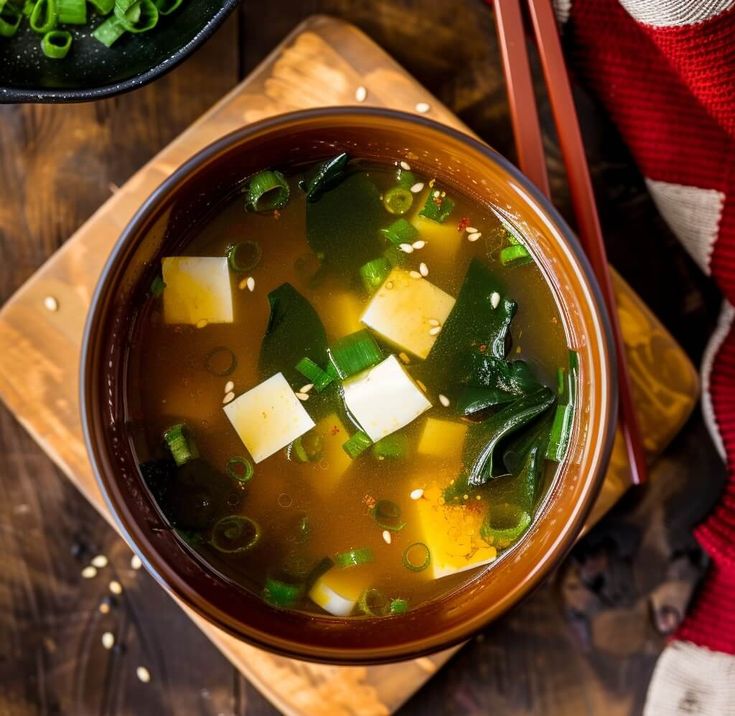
x=57, y=164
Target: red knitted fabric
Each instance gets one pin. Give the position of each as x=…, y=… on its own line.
x=671, y=92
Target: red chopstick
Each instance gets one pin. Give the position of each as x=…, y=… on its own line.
x=528, y=141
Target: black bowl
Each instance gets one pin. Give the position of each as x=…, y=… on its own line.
x=91, y=70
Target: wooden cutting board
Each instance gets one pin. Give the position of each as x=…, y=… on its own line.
x=323, y=62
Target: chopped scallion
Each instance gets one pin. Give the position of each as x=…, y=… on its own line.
x=240, y=469
x=281, y=594
x=387, y=514
x=307, y=448
x=398, y=606
x=166, y=7
x=244, y=256
x=406, y=179
x=416, y=557
x=373, y=603
x=504, y=525
x=354, y=557
x=157, y=286
x=354, y=353
x=397, y=200
x=313, y=373
x=438, y=206
x=514, y=255
x=9, y=19
x=357, y=444
x=56, y=44
x=220, y=361
x=71, y=12
x=374, y=273
x=43, y=17
x=141, y=17
x=109, y=32
x=235, y=534
x=561, y=428
x=267, y=190
x=103, y=7
x=180, y=444
x=400, y=232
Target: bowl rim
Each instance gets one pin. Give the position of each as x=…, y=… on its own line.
x=44, y=95
x=562, y=545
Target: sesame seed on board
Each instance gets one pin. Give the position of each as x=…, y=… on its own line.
x=50, y=304
x=361, y=93
x=108, y=640
x=100, y=561
x=143, y=674
x=422, y=107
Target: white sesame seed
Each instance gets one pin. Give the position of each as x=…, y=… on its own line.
x=143, y=674
x=423, y=269
x=303, y=397
x=50, y=304
x=361, y=93
x=474, y=237
x=494, y=299
x=100, y=561
x=414, y=274
x=135, y=562
x=229, y=386
x=417, y=187
x=108, y=640
x=243, y=284
x=404, y=357
x=229, y=397
x=433, y=322
x=405, y=166
x=444, y=400
x=250, y=283
x=89, y=572
x=203, y=323
x=387, y=537
x=418, y=245
x=406, y=248
x=306, y=388
x=104, y=608
x=422, y=107
x=470, y=229
x=435, y=331
x=417, y=494
x=115, y=587
x=437, y=194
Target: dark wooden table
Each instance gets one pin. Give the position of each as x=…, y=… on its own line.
x=585, y=643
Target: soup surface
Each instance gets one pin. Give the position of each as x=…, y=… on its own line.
x=350, y=389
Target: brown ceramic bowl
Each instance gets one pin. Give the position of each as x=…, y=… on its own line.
x=456, y=160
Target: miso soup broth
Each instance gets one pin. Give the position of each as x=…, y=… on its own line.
x=351, y=389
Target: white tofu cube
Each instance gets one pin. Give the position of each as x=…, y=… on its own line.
x=338, y=590
x=384, y=398
x=197, y=289
x=408, y=312
x=268, y=417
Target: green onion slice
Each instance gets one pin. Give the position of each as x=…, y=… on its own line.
x=140, y=17
x=281, y=594
x=416, y=557
x=71, y=12
x=109, y=32
x=103, y=7
x=235, y=534
x=220, y=361
x=504, y=525
x=313, y=373
x=400, y=232
x=391, y=447
x=373, y=603
x=398, y=606
x=438, y=206
x=326, y=176
x=397, y=200
x=43, y=17
x=515, y=255
x=56, y=44
x=306, y=448
x=180, y=444
x=374, y=273
x=267, y=190
x=357, y=444
x=244, y=256
x=240, y=469
x=388, y=515
x=354, y=353
x=10, y=19
x=561, y=428
x=354, y=557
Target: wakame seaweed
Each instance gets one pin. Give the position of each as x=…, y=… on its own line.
x=324, y=176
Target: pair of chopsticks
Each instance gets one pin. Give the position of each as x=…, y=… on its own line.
x=527, y=132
